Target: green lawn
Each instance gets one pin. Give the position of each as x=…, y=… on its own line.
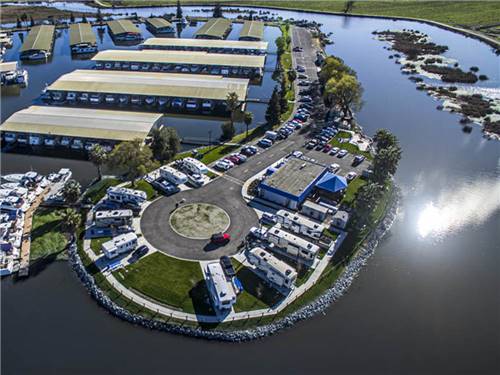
x=95, y=244
x=353, y=149
x=144, y=186
x=171, y=281
x=47, y=235
x=256, y=294
x=98, y=190
x=351, y=190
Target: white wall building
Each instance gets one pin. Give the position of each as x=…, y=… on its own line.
x=276, y=271
x=314, y=210
x=298, y=224
x=119, y=245
x=340, y=219
x=293, y=245
x=124, y=195
x=172, y=175
x=113, y=217
x=195, y=166
x=221, y=291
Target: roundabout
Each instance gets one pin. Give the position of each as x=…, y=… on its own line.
x=199, y=220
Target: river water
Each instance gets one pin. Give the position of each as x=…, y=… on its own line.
x=428, y=301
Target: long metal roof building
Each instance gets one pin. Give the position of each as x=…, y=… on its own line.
x=203, y=44
x=40, y=38
x=214, y=28
x=194, y=86
x=81, y=33
x=81, y=123
x=158, y=23
x=8, y=66
x=118, y=27
x=181, y=57
x=252, y=30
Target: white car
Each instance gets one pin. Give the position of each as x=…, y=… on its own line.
x=229, y=162
x=342, y=153
x=196, y=179
x=334, y=167
x=260, y=233
x=297, y=154
x=222, y=165
x=334, y=150
x=351, y=176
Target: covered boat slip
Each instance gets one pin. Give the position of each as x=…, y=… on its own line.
x=82, y=38
x=158, y=25
x=81, y=123
x=124, y=30
x=6, y=67
x=182, y=62
x=208, y=45
x=252, y=31
x=214, y=28
x=38, y=43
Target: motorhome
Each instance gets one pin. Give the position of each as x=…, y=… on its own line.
x=299, y=224
x=275, y=270
x=221, y=291
x=173, y=175
x=113, y=218
x=293, y=245
x=119, y=245
x=194, y=166
x=124, y=195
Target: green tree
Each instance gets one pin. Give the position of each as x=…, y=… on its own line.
x=364, y=204
x=84, y=18
x=18, y=23
x=247, y=119
x=98, y=156
x=217, y=11
x=292, y=75
x=71, y=191
x=334, y=67
x=273, y=109
x=385, y=163
x=348, y=6
x=179, y=10
x=232, y=104
x=345, y=92
x=134, y=158
x=384, y=139
x=280, y=45
x=228, y=131
x=71, y=219
x=283, y=99
x=71, y=17
x=166, y=143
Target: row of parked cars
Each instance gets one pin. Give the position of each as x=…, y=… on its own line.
x=236, y=158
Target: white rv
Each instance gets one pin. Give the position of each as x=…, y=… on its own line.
x=276, y=271
x=221, y=291
x=299, y=224
x=119, y=245
x=113, y=217
x=124, y=195
x=173, y=175
x=293, y=245
x=195, y=166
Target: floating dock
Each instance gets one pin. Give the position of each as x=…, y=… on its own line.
x=252, y=31
x=214, y=28
x=207, y=45
x=38, y=44
x=158, y=25
x=82, y=38
x=182, y=62
x=124, y=30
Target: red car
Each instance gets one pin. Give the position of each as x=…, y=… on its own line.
x=220, y=238
x=234, y=159
x=327, y=148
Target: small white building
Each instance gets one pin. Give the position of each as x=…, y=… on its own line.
x=314, y=210
x=293, y=245
x=119, y=245
x=221, y=291
x=124, y=195
x=195, y=166
x=298, y=224
x=276, y=271
x=172, y=175
x=113, y=217
x=340, y=219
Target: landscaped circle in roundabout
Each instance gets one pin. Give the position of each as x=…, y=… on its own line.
x=199, y=220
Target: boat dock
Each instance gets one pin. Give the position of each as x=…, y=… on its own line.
x=124, y=30
x=39, y=43
x=82, y=38
x=252, y=31
x=214, y=28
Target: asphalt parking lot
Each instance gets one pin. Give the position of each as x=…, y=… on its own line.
x=345, y=163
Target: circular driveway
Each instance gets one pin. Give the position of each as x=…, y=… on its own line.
x=221, y=192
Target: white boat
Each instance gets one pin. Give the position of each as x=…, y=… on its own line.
x=110, y=99
x=77, y=144
x=35, y=140
x=9, y=137
x=65, y=174
x=49, y=142
x=71, y=97
x=13, y=178
x=40, y=55
x=65, y=141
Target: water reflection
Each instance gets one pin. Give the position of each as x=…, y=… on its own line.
x=468, y=204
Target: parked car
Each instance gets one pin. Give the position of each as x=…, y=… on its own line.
x=351, y=176
x=140, y=252
x=310, y=145
x=334, y=150
x=358, y=159
x=334, y=167
x=249, y=150
x=222, y=165
x=302, y=76
x=265, y=143
x=196, y=179
x=227, y=266
x=342, y=153
x=259, y=233
x=297, y=154
x=268, y=218
x=234, y=159
x=165, y=187
x=242, y=158
x=305, y=99
x=327, y=147
x=220, y=238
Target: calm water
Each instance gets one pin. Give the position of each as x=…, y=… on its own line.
x=428, y=302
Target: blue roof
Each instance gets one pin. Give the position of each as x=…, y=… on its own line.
x=332, y=183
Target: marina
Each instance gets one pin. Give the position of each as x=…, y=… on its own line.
x=159, y=26
x=82, y=38
x=252, y=31
x=124, y=30
x=214, y=28
x=208, y=45
x=10, y=74
x=38, y=44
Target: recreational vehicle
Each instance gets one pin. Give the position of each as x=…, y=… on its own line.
x=119, y=245
x=173, y=175
x=293, y=245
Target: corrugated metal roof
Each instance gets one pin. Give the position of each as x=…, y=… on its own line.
x=8, y=66
x=155, y=84
x=181, y=57
x=158, y=22
x=214, y=27
x=81, y=33
x=81, y=122
x=252, y=29
x=39, y=38
x=122, y=26
x=205, y=43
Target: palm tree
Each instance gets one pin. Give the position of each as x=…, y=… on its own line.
x=232, y=104
x=385, y=163
x=247, y=119
x=384, y=139
x=70, y=219
x=71, y=191
x=98, y=156
x=365, y=202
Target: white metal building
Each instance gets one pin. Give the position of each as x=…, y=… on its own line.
x=113, y=217
x=276, y=271
x=119, y=245
x=124, y=195
x=293, y=245
x=299, y=224
x=221, y=291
